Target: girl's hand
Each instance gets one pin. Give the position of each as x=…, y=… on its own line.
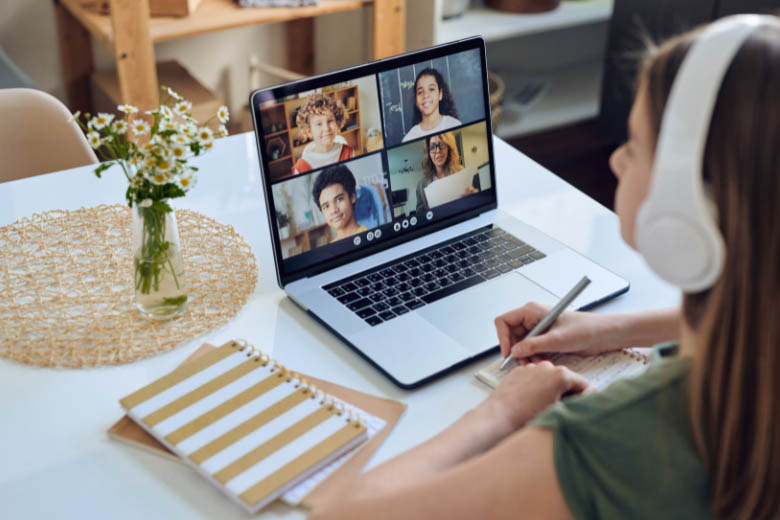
x=580, y=332
x=525, y=392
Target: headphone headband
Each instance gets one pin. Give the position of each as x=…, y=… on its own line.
x=676, y=232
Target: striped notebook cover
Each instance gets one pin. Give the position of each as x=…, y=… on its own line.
x=245, y=422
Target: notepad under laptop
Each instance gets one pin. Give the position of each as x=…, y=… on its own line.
x=246, y=423
x=600, y=370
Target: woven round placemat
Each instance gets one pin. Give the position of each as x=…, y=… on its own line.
x=66, y=287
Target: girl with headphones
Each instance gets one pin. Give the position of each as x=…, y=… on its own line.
x=698, y=434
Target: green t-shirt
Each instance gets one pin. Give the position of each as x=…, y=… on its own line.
x=628, y=451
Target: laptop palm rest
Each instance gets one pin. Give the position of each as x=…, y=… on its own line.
x=468, y=317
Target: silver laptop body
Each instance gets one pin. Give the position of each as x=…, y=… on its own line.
x=400, y=217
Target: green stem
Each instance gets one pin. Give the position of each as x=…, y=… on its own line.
x=155, y=252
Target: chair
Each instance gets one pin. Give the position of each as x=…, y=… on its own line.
x=37, y=135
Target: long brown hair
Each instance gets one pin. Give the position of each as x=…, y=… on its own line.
x=735, y=381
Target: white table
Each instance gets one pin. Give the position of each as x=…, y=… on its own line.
x=56, y=459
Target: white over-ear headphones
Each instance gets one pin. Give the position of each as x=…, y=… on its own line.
x=676, y=229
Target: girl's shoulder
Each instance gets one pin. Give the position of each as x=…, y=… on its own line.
x=413, y=133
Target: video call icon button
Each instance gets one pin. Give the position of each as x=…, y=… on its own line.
x=397, y=227
x=405, y=224
x=429, y=215
x=377, y=233
x=370, y=236
x=413, y=221
x=356, y=241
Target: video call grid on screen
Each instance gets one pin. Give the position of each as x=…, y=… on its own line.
x=358, y=139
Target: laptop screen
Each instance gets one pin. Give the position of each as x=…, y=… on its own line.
x=361, y=159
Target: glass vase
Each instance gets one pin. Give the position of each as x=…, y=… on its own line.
x=158, y=267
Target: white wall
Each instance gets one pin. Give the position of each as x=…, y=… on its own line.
x=219, y=60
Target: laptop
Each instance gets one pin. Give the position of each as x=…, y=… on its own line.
x=380, y=185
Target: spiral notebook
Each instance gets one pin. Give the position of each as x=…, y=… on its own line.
x=600, y=370
x=246, y=423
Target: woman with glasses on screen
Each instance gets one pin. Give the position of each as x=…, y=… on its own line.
x=441, y=159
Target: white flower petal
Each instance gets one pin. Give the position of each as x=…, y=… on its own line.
x=222, y=114
x=140, y=127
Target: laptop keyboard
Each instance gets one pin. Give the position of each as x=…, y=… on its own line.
x=381, y=293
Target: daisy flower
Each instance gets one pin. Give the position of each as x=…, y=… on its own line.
x=186, y=180
x=181, y=139
x=140, y=127
x=168, y=124
x=94, y=139
x=179, y=151
x=172, y=93
x=190, y=130
x=223, y=114
x=182, y=107
x=127, y=109
x=166, y=111
x=205, y=134
x=165, y=165
x=101, y=120
x=223, y=131
x=150, y=162
x=119, y=126
x=157, y=178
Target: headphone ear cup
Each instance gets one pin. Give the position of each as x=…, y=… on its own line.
x=683, y=252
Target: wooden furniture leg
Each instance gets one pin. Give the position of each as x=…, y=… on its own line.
x=134, y=54
x=300, y=46
x=77, y=58
x=389, y=27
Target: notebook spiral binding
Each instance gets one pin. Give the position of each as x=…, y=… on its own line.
x=298, y=381
x=633, y=354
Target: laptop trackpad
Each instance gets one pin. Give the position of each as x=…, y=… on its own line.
x=468, y=316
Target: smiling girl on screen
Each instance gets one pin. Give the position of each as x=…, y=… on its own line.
x=321, y=120
x=434, y=108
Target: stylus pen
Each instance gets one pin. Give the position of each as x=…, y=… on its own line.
x=551, y=316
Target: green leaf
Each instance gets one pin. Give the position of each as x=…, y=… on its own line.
x=161, y=205
x=103, y=167
x=175, y=301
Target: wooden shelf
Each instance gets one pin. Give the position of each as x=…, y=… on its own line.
x=130, y=33
x=496, y=25
x=211, y=15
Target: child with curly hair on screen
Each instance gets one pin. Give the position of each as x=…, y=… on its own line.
x=321, y=120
